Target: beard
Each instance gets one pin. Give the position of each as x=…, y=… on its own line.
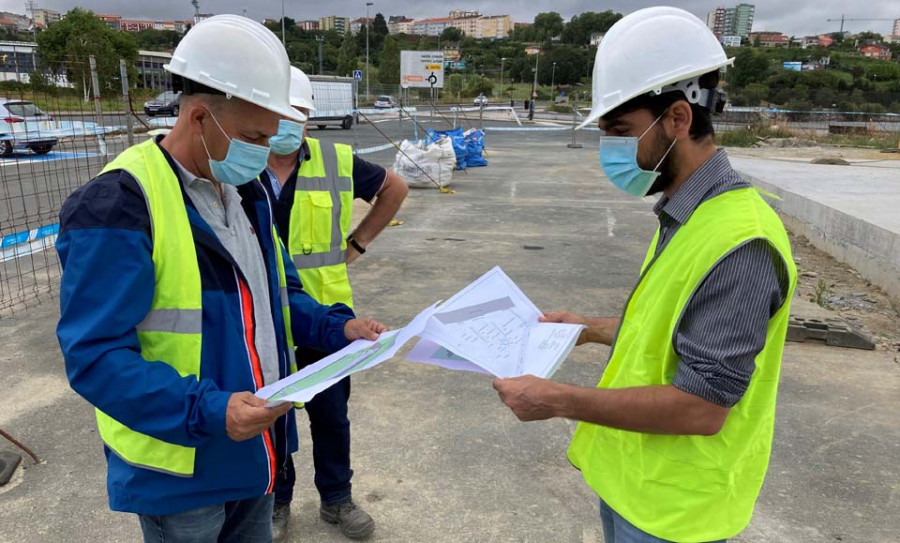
x=667, y=169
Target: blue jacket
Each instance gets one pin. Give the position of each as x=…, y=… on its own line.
x=107, y=288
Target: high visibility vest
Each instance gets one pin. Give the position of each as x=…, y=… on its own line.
x=172, y=331
x=320, y=222
x=679, y=487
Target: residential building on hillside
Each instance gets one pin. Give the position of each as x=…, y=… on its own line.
x=431, y=27
x=895, y=33
x=495, y=26
x=715, y=20
x=400, y=24
x=111, y=21
x=356, y=25
x=877, y=51
x=333, y=22
x=468, y=25
x=46, y=17
x=309, y=26
x=770, y=39
x=739, y=20
x=135, y=25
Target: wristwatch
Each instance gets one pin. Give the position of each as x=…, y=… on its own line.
x=355, y=244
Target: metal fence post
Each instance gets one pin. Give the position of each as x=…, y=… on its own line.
x=574, y=144
x=98, y=109
x=126, y=98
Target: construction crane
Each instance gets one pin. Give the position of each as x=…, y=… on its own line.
x=842, y=19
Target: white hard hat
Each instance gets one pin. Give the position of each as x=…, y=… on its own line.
x=649, y=50
x=301, y=90
x=239, y=57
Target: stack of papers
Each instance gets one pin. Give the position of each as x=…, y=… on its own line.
x=489, y=327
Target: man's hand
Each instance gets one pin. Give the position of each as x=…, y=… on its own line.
x=529, y=397
x=363, y=329
x=568, y=318
x=247, y=416
x=352, y=254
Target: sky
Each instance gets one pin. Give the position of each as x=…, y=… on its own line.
x=792, y=17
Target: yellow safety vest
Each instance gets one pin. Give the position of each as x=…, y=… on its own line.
x=172, y=331
x=679, y=487
x=320, y=222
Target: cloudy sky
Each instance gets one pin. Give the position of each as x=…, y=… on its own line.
x=793, y=17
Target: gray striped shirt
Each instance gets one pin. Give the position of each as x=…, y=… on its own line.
x=724, y=325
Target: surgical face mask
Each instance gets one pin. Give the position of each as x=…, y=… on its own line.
x=243, y=162
x=289, y=137
x=618, y=157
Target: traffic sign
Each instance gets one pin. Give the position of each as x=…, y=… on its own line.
x=422, y=69
x=357, y=75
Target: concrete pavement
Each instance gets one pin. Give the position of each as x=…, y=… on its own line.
x=437, y=457
x=850, y=212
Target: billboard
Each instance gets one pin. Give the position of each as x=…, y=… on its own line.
x=422, y=69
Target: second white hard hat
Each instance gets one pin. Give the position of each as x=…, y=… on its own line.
x=648, y=50
x=301, y=90
x=239, y=57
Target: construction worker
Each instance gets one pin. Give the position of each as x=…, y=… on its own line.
x=676, y=437
x=313, y=185
x=178, y=300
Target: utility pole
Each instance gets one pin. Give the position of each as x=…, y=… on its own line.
x=283, y=42
x=30, y=5
x=368, y=5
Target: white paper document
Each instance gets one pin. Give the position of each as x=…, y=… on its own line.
x=488, y=327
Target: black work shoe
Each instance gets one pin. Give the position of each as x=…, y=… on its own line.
x=353, y=521
x=280, y=516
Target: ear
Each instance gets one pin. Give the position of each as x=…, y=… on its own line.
x=682, y=117
x=197, y=114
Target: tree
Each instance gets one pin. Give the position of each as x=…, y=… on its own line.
x=749, y=67
x=454, y=84
x=579, y=30
x=347, y=56
x=389, y=62
x=570, y=65
x=451, y=34
x=66, y=46
x=548, y=25
x=379, y=26
x=478, y=84
x=869, y=36
x=157, y=40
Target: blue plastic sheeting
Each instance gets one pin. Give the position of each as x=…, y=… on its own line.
x=25, y=157
x=475, y=148
x=459, y=144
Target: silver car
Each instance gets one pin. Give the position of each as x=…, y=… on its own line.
x=13, y=112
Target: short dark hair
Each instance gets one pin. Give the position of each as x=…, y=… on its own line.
x=701, y=127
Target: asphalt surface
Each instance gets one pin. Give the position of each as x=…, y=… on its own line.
x=436, y=456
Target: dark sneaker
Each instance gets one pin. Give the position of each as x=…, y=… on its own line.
x=280, y=516
x=353, y=521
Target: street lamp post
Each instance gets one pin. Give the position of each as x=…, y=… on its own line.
x=368, y=5
x=283, y=42
x=553, y=79
x=320, y=39
x=502, y=62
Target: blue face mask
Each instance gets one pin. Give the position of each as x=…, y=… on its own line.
x=618, y=157
x=289, y=137
x=243, y=162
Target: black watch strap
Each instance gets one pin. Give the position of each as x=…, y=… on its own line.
x=355, y=244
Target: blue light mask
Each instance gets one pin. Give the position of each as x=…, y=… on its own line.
x=618, y=158
x=289, y=137
x=243, y=162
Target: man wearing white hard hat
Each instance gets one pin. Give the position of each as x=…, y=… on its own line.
x=178, y=300
x=313, y=185
x=676, y=437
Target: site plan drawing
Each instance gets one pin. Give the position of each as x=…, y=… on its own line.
x=488, y=327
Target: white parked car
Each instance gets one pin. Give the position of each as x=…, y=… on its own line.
x=14, y=112
x=385, y=102
x=481, y=100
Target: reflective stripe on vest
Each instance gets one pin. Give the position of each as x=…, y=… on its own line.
x=320, y=222
x=685, y=487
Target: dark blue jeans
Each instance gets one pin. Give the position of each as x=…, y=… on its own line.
x=330, y=430
x=243, y=521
